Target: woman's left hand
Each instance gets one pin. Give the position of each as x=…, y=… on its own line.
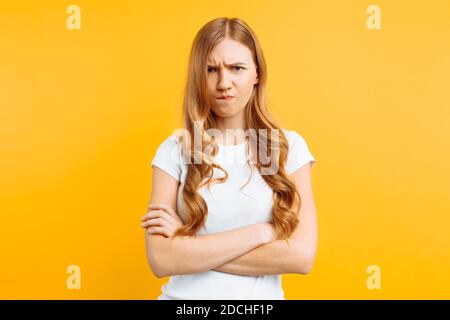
x=161, y=219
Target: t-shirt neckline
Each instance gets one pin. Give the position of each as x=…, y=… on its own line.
x=231, y=146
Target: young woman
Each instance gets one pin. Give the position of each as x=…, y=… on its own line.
x=223, y=222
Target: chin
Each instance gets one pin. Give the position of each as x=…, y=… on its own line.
x=225, y=113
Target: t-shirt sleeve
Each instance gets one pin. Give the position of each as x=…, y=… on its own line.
x=168, y=157
x=299, y=153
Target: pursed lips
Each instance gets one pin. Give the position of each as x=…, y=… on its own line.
x=225, y=97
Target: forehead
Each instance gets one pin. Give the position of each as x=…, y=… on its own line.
x=229, y=51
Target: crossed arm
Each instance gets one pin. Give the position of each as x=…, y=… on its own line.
x=236, y=251
x=279, y=257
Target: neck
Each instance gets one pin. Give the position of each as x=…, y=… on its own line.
x=234, y=125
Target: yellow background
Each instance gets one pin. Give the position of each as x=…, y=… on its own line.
x=83, y=111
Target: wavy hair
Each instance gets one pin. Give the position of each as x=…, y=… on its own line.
x=198, y=118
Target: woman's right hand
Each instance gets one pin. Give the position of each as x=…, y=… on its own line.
x=161, y=219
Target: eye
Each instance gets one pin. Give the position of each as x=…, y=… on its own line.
x=211, y=68
x=237, y=68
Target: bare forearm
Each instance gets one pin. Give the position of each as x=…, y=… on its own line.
x=277, y=257
x=190, y=255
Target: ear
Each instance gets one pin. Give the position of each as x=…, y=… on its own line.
x=257, y=76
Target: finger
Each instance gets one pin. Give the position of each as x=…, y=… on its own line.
x=151, y=214
x=164, y=207
x=158, y=230
x=148, y=215
x=155, y=222
x=156, y=214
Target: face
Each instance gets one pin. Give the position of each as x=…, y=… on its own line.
x=230, y=71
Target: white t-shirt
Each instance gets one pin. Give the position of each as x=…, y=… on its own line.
x=229, y=207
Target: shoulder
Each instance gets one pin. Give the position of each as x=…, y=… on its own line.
x=299, y=152
x=168, y=156
x=169, y=144
x=293, y=137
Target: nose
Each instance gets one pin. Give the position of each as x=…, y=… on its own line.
x=224, y=81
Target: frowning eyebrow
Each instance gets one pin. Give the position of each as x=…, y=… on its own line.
x=232, y=64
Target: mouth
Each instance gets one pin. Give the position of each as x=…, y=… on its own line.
x=225, y=98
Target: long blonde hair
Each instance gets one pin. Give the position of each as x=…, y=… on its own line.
x=198, y=117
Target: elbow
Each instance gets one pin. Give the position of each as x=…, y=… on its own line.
x=157, y=259
x=159, y=273
x=157, y=264
x=305, y=268
x=304, y=261
x=157, y=268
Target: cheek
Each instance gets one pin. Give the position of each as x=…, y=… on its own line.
x=210, y=86
x=245, y=87
x=246, y=83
